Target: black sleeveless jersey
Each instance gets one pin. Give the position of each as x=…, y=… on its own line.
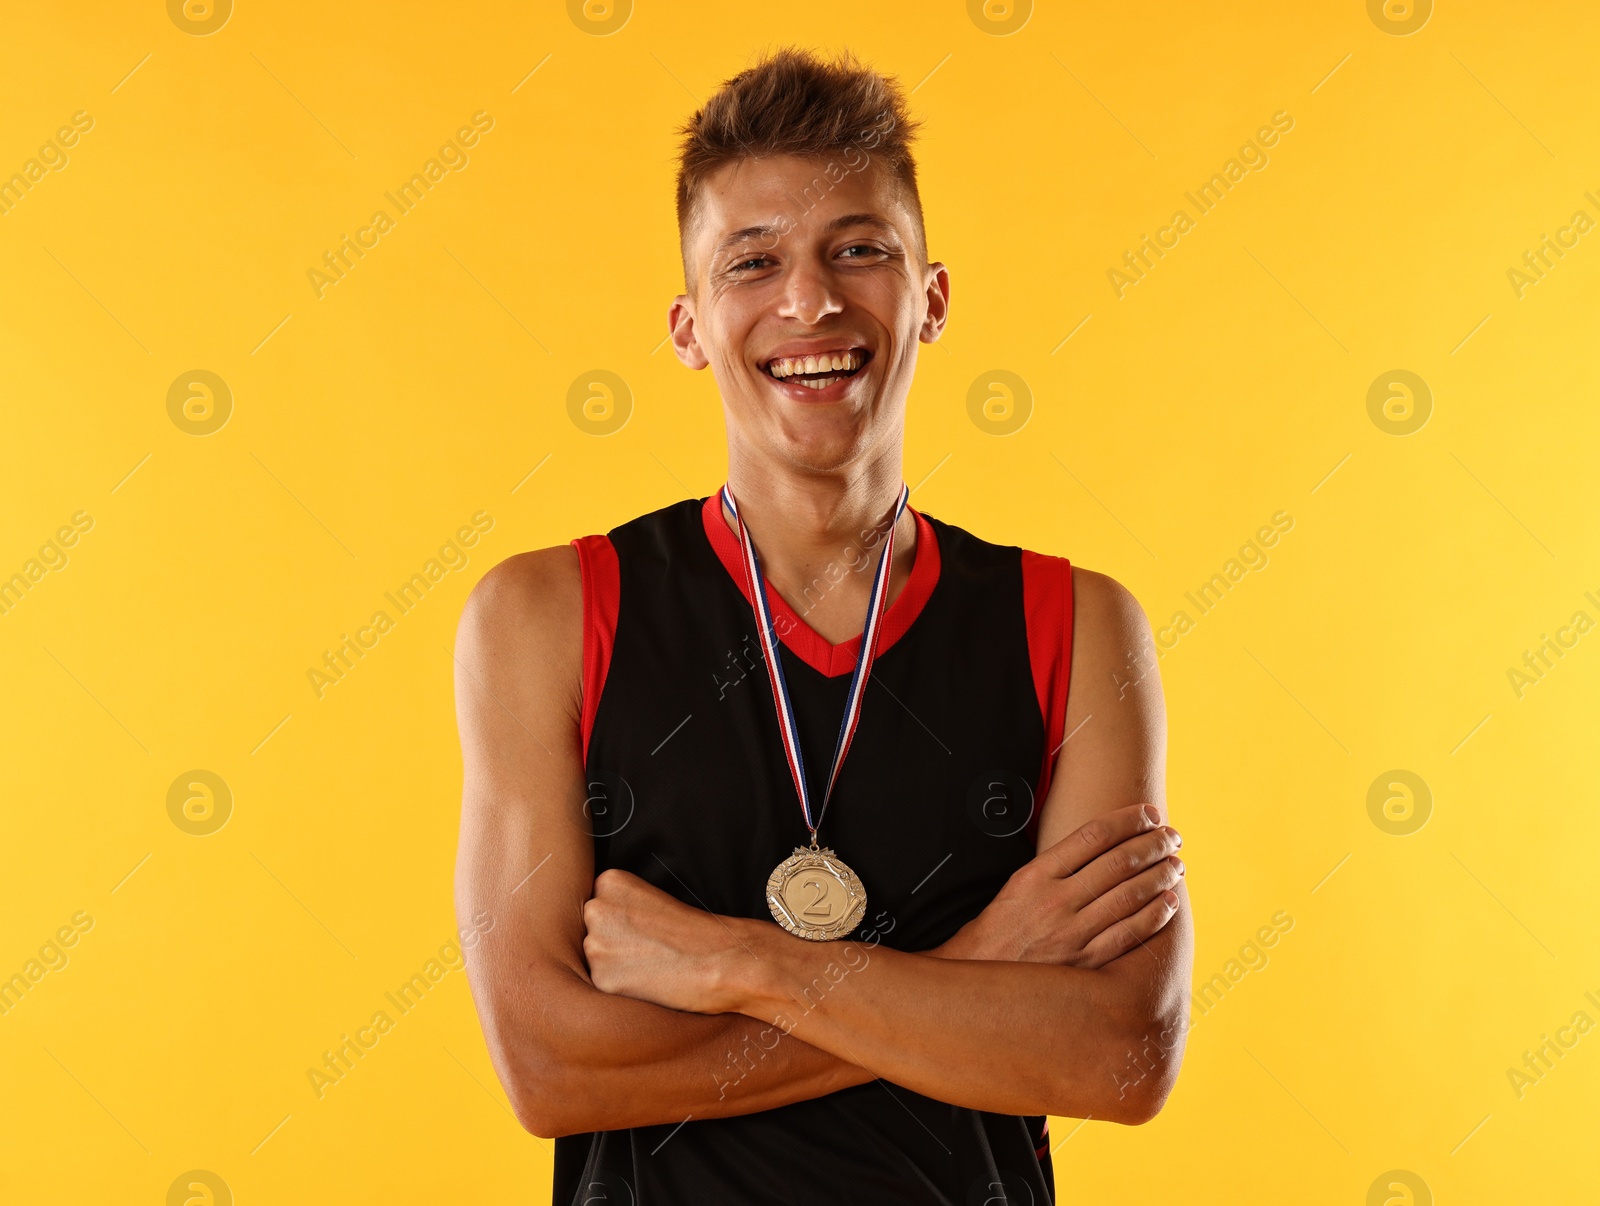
x=934, y=808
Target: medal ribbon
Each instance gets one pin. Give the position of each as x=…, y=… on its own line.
x=868, y=651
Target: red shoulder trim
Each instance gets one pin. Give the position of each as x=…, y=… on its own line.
x=602, y=593
x=1047, y=609
x=804, y=641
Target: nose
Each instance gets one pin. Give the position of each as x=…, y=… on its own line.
x=808, y=293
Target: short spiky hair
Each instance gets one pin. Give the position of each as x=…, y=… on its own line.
x=794, y=102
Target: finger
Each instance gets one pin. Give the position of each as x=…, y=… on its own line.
x=1097, y=836
x=1128, y=897
x=1130, y=932
x=1127, y=860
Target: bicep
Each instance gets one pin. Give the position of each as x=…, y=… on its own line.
x=1115, y=755
x=571, y=1058
x=1115, y=748
x=525, y=862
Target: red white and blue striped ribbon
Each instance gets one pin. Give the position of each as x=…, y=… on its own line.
x=870, y=629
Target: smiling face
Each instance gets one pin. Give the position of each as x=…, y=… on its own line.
x=809, y=318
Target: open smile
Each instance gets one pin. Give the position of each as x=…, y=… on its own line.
x=820, y=370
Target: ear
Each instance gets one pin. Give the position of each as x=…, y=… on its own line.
x=680, y=321
x=938, y=303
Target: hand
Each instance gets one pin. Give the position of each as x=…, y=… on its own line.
x=1094, y=895
x=644, y=943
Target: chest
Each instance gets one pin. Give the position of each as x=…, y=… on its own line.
x=689, y=787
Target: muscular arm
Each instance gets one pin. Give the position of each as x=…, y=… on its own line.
x=1016, y=1037
x=573, y=1058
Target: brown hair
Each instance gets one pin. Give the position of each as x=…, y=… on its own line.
x=794, y=102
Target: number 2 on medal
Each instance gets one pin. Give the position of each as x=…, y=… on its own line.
x=812, y=909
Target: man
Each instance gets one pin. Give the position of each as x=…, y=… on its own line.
x=988, y=923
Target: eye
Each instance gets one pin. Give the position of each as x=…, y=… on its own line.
x=753, y=262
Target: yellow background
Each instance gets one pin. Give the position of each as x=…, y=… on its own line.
x=370, y=424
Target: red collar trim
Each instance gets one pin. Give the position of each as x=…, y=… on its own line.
x=804, y=641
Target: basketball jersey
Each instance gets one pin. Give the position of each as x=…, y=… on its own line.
x=935, y=807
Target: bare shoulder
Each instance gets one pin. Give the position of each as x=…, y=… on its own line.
x=1115, y=677
x=1113, y=651
x=522, y=627
x=1106, y=616
x=539, y=586
x=526, y=599
x=1114, y=747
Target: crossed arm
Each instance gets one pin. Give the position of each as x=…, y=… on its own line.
x=606, y=1003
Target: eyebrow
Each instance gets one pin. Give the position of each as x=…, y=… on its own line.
x=766, y=230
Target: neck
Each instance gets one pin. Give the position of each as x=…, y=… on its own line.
x=812, y=530
x=790, y=511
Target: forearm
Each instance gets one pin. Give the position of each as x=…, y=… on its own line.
x=1008, y=1037
x=612, y=1062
